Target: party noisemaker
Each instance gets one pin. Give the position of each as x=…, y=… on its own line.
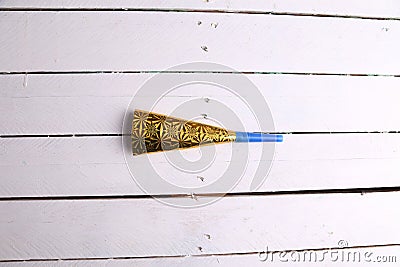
x=152, y=132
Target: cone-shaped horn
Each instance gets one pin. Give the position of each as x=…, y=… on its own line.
x=152, y=132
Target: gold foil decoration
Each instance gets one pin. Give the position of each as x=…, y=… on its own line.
x=152, y=132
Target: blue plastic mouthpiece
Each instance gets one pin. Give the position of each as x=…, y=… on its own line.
x=257, y=137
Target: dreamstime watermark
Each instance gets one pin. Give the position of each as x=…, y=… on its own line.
x=335, y=255
x=177, y=92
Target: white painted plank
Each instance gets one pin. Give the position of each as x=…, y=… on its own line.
x=383, y=8
x=387, y=255
x=59, y=104
x=82, y=41
x=145, y=227
x=96, y=166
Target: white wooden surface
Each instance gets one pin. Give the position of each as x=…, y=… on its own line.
x=115, y=228
x=380, y=9
x=56, y=80
x=95, y=165
x=381, y=254
x=121, y=41
x=96, y=103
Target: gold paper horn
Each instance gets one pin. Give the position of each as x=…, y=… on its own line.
x=152, y=132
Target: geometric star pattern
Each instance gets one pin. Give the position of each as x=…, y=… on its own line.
x=152, y=132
